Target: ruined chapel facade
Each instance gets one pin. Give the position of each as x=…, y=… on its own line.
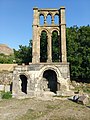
x=40, y=77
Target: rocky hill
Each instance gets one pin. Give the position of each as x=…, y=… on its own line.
x=5, y=49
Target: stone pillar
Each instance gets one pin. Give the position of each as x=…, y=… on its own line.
x=36, y=44
x=58, y=86
x=63, y=34
x=52, y=20
x=16, y=86
x=45, y=22
x=49, y=48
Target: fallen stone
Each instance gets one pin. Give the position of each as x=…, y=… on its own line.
x=83, y=100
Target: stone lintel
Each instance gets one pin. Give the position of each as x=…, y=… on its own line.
x=35, y=8
x=52, y=63
x=62, y=7
x=47, y=9
x=63, y=24
x=34, y=25
x=46, y=25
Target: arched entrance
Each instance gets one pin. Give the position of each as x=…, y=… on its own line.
x=23, y=83
x=51, y=77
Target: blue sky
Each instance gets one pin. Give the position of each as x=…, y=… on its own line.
x=16, y=17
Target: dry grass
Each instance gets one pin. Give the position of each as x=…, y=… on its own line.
x=33, y=109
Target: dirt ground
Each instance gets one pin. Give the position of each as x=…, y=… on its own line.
x=34, y=109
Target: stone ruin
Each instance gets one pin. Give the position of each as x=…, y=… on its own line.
x=43, y=78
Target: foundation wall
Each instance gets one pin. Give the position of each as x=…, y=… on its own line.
x=34, y=74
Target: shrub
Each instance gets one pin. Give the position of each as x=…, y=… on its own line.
x=6, y=95
x=87, y=90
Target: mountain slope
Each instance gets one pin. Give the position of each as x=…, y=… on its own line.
x=5, y=49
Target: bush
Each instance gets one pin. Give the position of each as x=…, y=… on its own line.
x=6, y=95
x=87, y=90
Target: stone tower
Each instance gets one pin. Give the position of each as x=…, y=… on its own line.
x=38, y=78
x=37, y=29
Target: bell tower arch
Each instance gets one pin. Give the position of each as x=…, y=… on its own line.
x=49, y=28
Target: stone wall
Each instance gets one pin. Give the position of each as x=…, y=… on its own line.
x=6, y=77
x=35, y=82
x=6, y=80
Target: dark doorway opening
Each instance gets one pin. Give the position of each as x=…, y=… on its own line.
x=23, y=83
x=51, y=77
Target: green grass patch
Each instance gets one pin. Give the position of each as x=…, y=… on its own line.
x=6, y=95
x=84, y=88
x=51, y=106
x=87, y=90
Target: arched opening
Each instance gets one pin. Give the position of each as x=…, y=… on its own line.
x=55, y=47
x=56, y=19
x=49, y=19
x=41, y=19
x=51, y=77
x=23, y=83
x=43, y=46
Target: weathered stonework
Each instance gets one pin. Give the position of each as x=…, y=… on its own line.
x=37, y=29
x=6, y=77
x=38, y=78
x=6, y=81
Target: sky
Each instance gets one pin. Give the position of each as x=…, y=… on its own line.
x=16, y=17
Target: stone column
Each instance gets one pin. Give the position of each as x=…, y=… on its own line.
x=63, y=34
x=52, y=20
x=45, y=22
x=36, y=46
x=49, y=48
x=15, y=88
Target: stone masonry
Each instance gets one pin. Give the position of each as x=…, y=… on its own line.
x=38, y=78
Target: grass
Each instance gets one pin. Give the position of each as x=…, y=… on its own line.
x=46, y=110
x=32, y=115
x=6, y=95
x=56, y=111
x=84, y=87
x=62, y=118
x=86, y=90
x=51, y=107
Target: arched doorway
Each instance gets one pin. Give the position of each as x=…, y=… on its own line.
x=23, y=83
x=51, y=77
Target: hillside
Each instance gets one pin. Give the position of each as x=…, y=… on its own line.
x=5, y=49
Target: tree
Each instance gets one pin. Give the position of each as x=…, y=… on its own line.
x=43, y=47
x=6, y=58
x=24, y=54
x=55, y=47
x=78, y=52
x=44, y=44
